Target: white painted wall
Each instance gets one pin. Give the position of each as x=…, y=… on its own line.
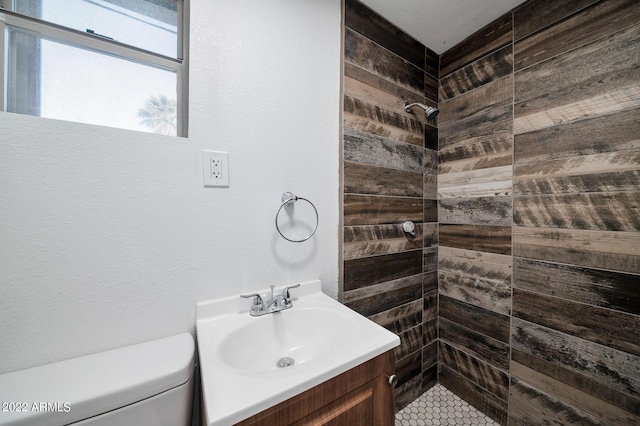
x=108, y=238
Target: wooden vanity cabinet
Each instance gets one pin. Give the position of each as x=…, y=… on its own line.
x=358, y=397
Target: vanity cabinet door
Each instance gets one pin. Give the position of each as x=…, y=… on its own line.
x=354, y=409
x=361, y=396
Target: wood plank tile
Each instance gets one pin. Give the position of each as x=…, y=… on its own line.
x=485, y=348
x=400, y=318
x=475, y=318
x=370, y=56
x=408, y=368
x=477, y=101
x=606, y=289
x=430, y=259
x=480, y=373
x=477, y=210
x=366, y=125
x=429, y=355
x=372, y=240
x=430, y=161
x=619, y=51
x=617, y=211
x=382, y=287
x=431, y=137
x=583, y=93
x=591, y=24
x=410, y=342
x=429, y=234
x=366, y=179
x=492, y=125
x=599, y=182
x=429, y=377
x=476, y=264
x=485, y=70
x=432, y=63
x=375, y=210
x=562, y=402
x=607, y=327
x=492, y=37
x=536, y=15
x=430, y=211
x=382, y=302
x=408, y=392
x=494, y=181
x=618, y=161
x=430, y=185
x=367, y=148
x=429, y=282
x=607, y=103
x=614, y=250
x=431, y=88
x=492, y=239
x=364, y=85
x=360, y=18
x=495, y=151
x=616, y=369
x=492, y=406
x=430, y=332
x=577, y=381
x=608, y=133
x=370, y=118
x=367, y=271
x=606, y=172
x=487, y=294
x=525, y=400
x=430, y=306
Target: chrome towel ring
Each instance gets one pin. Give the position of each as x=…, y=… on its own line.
x=288, y=199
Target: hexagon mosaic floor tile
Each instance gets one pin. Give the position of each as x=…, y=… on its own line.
x=440, y=406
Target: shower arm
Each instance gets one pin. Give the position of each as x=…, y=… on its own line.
x=430, y=112
x=408, y=106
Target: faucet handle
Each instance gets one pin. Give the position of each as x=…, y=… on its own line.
x=257, y=299
x=285, y=292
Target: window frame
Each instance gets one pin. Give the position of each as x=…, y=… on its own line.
x=99, y=44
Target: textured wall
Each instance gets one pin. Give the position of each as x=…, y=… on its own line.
x=107, y=237
x=539, y=210
x=389, y=177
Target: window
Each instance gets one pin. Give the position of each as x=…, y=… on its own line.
x=117, y=63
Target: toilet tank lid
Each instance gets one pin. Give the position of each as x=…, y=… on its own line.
x=94, y=384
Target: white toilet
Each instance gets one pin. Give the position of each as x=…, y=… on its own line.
x=146, y=384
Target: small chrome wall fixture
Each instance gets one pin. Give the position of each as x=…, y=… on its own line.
x=288, y=199
x=409, y=227
x=430, y=112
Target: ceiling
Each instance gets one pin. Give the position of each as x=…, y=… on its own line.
x=441, y=24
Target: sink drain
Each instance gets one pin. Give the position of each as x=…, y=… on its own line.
x=285, y=362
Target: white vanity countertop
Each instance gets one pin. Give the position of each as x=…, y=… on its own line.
x=238, y=352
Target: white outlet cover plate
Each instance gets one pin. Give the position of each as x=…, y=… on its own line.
x=214, y=177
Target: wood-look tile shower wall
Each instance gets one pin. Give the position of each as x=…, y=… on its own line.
x=539, y=213
x=390, y=162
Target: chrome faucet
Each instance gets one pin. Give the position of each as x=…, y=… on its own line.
x=276, y=303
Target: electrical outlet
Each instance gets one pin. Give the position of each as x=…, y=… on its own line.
x=215, y=169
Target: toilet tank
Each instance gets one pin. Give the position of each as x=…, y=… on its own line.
x=145, y=384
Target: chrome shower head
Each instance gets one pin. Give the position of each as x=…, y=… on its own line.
x=430, y=112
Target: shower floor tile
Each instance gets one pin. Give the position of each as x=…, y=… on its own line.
x=440, y=406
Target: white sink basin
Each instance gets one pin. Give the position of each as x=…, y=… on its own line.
x=250, y=363
x=259, y=345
